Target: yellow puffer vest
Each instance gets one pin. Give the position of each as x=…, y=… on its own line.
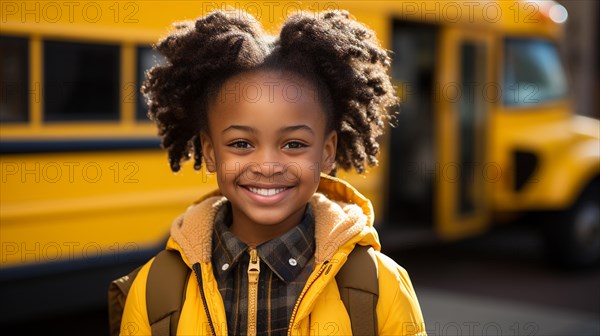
x=343, y=218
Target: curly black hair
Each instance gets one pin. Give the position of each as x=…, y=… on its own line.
x=339, y=55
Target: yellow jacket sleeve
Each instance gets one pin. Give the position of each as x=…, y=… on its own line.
x=135, y=315
x=398, y=310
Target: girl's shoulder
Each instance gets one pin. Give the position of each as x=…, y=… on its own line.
x=398, y=308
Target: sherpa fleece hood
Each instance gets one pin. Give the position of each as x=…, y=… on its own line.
x=342, y=217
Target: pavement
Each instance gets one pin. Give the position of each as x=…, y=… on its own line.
x=448, y=313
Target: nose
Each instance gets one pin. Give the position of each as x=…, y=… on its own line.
x=267, y=162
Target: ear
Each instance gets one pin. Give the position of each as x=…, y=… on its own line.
x=208, y=152
x=329, y=150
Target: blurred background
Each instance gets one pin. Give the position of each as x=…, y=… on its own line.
x=487, y=190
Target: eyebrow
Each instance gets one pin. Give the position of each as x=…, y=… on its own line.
x=282, y=130
x=239, y=127
x=295, y=128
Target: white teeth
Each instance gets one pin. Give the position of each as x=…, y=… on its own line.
x=266, y=192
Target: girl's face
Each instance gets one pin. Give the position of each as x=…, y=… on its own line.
x=268, y=142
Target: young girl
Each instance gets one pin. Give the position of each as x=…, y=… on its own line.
x=271, y=116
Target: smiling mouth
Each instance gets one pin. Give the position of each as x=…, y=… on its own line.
x=266, y=191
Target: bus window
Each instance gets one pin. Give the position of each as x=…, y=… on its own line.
x=14, y=75
x=81, y=81
x=147, y=58
x=533, y=73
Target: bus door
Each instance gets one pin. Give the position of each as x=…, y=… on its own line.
x=412, y=152
x=463, y=96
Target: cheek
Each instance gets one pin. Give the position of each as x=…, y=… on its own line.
x=306, y=167
x=228, y=167
x=297, y=170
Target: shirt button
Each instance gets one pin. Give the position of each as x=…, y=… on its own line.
x=225, y=266
x=293, y=262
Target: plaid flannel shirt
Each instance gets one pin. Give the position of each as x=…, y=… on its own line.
x=286, y=263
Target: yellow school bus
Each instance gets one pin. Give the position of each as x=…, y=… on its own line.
x=486, y=132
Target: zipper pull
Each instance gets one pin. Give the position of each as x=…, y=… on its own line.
x=253, y=272
x=253, y=266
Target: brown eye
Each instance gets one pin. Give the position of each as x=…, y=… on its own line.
x=294, y=145
x=240, y=144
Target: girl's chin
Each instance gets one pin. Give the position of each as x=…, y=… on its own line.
x=270, y=217
x=267, y=220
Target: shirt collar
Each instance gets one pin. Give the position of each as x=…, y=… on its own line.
x=286, y=255
x=227, y=248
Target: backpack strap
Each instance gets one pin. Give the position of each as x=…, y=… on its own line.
x=165, y=292
x=359, y=289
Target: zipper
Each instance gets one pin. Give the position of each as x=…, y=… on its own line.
x=295, y=311
x=198, y=272
x=253, y=272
